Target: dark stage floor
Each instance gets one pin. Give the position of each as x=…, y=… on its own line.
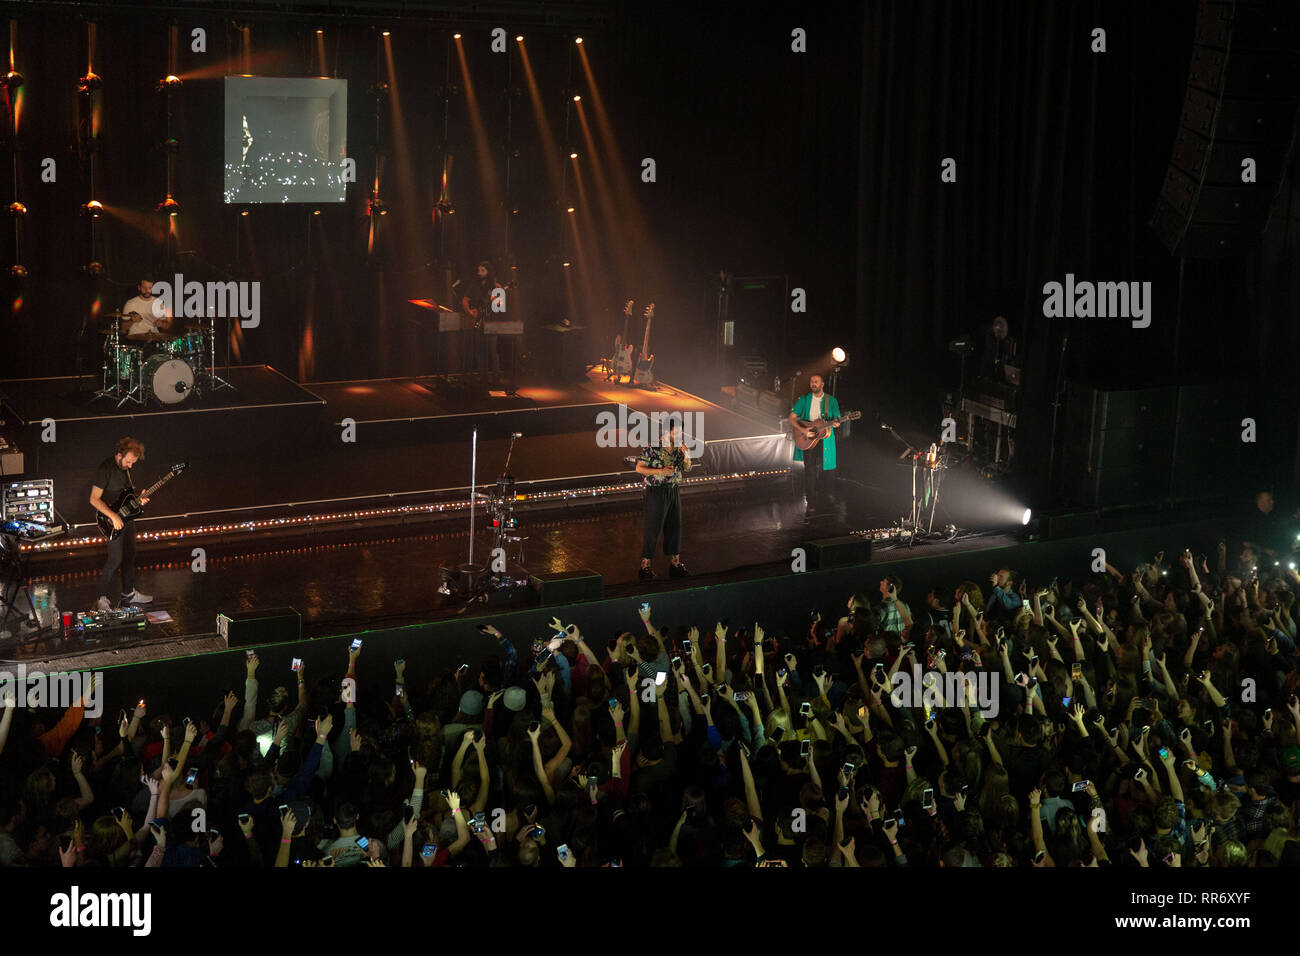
x=69, y=399
x=284, y=448
x=350, y=581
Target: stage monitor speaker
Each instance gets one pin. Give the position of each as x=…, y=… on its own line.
x=773, y=404
x=746, y=395
x=1239, y=110
x=838, y=552
x=273, y=625
x=567, y=587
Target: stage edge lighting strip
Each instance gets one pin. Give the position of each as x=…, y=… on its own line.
x=310, y=520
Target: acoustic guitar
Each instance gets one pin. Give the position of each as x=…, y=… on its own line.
x=823, y=427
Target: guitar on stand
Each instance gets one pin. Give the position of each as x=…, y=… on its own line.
x=128, y=505
x=622, y=361
x=823, y=428
x=644, y=375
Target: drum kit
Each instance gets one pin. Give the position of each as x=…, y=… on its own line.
x=156, y=366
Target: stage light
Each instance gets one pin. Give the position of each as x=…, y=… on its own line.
x=169, y=206
x=455, y=36
x=1026, y=515
x=577, y=98
x=840, y=356
x=319, y=32
x=92, y=208
x=519, y=38
x=172, y=145
x=573, y=156
x=243, y=212
x=13, y=80
x=169, y=82
x=315, y=212
x=94, y=268
x=577, y=39
x=570, y=209
x=377, y=208
x=18, y=271
x=91, y=81
x=17, y=209
x=387, y=33
x=566, y=264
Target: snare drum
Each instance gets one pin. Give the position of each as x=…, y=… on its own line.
x=168, y=379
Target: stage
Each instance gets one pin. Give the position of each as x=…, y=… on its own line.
x=274, y=453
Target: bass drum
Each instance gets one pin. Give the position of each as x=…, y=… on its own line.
x=170, y=380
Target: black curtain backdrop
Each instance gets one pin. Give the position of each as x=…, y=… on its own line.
x=822, y=166
x=755, y=147
x=1060, y=155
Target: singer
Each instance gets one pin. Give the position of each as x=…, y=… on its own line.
x=662, y=469
x=813, y=406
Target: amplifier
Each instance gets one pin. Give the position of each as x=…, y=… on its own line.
x=274, y=625
x=31, y=500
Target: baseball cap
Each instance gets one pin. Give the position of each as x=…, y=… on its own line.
x=515, y=698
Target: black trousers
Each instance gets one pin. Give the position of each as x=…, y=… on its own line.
x=814, y=476
x=663, y=515
x=121, y=554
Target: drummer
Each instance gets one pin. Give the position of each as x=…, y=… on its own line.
x=139, y=311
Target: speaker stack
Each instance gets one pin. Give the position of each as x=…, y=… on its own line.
x=1238, y=113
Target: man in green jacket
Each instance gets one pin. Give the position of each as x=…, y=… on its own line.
x=809, y=407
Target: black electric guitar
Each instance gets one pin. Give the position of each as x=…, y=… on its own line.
x=823, y=427
x=645, y=362
x=128, y=507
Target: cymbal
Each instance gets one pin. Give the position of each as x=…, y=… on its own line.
x=149, y=337
x=114, y=315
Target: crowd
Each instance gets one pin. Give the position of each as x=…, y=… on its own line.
x=1140, y=719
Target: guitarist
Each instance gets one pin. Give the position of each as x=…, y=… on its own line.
x=112, y=477
x=475, y=297
x=819, y=459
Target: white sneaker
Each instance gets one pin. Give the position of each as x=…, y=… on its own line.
x=103, y=604
x=135, y=597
